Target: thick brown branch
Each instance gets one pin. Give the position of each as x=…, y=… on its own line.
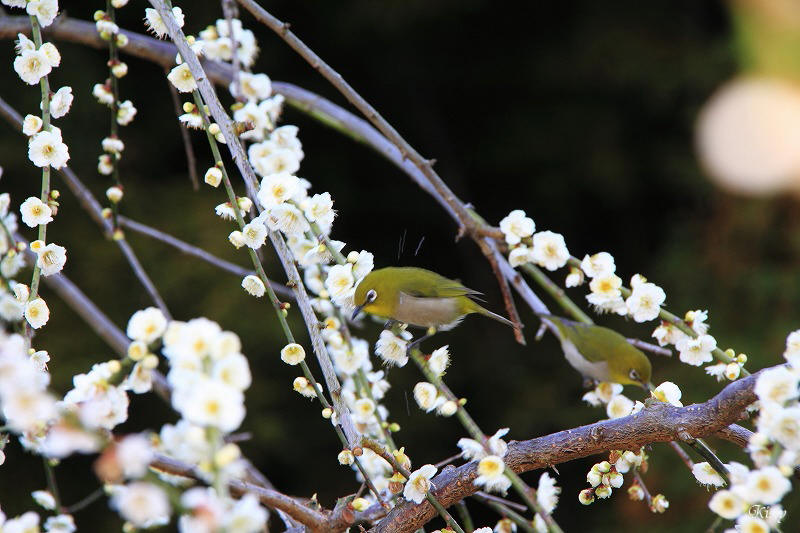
x=660, y=422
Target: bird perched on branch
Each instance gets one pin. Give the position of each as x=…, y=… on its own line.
x=418, y=297
x=600, y=353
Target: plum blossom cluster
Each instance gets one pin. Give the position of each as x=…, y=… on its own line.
x=606, y=476
x=544, y=248
x=774, y=449
x=107, y=93
x=610, y=395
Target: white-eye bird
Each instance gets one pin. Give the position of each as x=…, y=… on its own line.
x=418, y=297
x=600, y=353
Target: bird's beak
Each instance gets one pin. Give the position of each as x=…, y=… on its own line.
x=647, y=386
x=358, y=310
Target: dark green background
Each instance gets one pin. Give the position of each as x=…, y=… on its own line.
x=581, y=113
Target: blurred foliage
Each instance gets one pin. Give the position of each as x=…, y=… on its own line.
x=581, y=113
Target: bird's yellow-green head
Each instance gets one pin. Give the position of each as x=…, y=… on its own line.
x=629, y=366
x=377, y=293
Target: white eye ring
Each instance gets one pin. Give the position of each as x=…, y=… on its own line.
x=371, y=295
x=633, y=374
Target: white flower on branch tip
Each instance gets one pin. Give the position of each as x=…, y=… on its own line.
x=439, y=360
x=31, y=125
x=516, y=226
x=125, y=113
x=287, y=219
x=669, y=393
x=28, y=522
x=293, y=354
x=23, y=42
x=419, y=483
x=61, y=102
x=35, y=212
x=133, y=454
x=667, y=333
x=645, y=301
x=491, y=475
x=255, y=233
x=11, y=309
x=425, y=395
x=339, y=282
x=182, y=79
x=364, y=410
x=114, y=194
x=751, y=524
x=156, y=25
x=112, y=145
x=318, y=252
x=575, y=277
x=766, y=485
x=547, y=493
x=777, y=385
x=474, y=450
x=103, y=94
x=31, y=66
x=142, y=504
x=51, y=53
x=600, y=264
x=147, y=325
x=213, y=176
x=549, y=250
x=696, y=351
x=604, y=289
x=784, y=427
x=697, y=321
x=47, y=149
x=44, y=499
x=36, y=313
x=392, y=349
x=520, y=256
x=51, y=259
x=191, y=120
x=363, y=264
x=705, y=474
x=254, y=286
x=211, y=403
x=45, y=11
x=619, y=406
x=253, y=86
x=277, y=188
x=718, y=370
x=62, y=523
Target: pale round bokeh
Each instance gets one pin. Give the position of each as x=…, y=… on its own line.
x=748, y=136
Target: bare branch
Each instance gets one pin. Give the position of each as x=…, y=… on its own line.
x=660, y=422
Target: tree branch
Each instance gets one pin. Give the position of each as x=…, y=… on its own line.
x=660, y=422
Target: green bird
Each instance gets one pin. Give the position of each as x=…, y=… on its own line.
x=600, y=353
x=418, y=297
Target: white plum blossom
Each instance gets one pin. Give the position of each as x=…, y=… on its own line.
x=439, y=360
x=645, y=301
x=156, y=25
x=605, y=289
x=547, y=493
x=125, y=112
x=287, y=219
x=669, y=393
x=31, y=125
x=364, y=264
x=549, y=250
x=147, y=325
x=182, y=79
x=35, y=212
x=792, y=352
x=706, y=475
x=253, y=86
x=777, y=385
x=142, y=504
x=516, y=226
x=31, y=66
x=766, y=485
x=619, y=406
x=37, y=313
x=255, y=233
x=134, y=453
x=340, y=282
x=51, y=259
x=392, y=349
x=520, y=255
x=45, y=11
x=491, y=474
x=253, y=285
x=600, y=264
x=47, y=149
x=696, y=351
x=61, y=102
x=211, y=403
x=419, y=483
x=277, y=188
x=293, y=354
x=425, y=395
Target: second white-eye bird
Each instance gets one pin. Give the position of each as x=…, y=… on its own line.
x=600, y=353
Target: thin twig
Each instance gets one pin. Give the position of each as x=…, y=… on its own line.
x=639, y=481
x=86, y=501
x=649, y=347
x=682, y=454
x=191, y=161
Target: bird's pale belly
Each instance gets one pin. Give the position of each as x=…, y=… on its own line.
x=597, y=370
x=440, y=313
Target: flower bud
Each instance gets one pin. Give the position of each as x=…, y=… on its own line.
x=345, y=457
x=214, y=128
x=114, y=194
x=732, y=371
x=150, y=361
x=635, y=492
x=603, y=491
x=359, y=504
x=137, y=350
x=586, y=496
x=213, y=176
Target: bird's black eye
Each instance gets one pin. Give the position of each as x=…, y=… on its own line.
x=371, y=295
x=634, y=375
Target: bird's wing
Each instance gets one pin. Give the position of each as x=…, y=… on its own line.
x=434, y=285
x=597, y=346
